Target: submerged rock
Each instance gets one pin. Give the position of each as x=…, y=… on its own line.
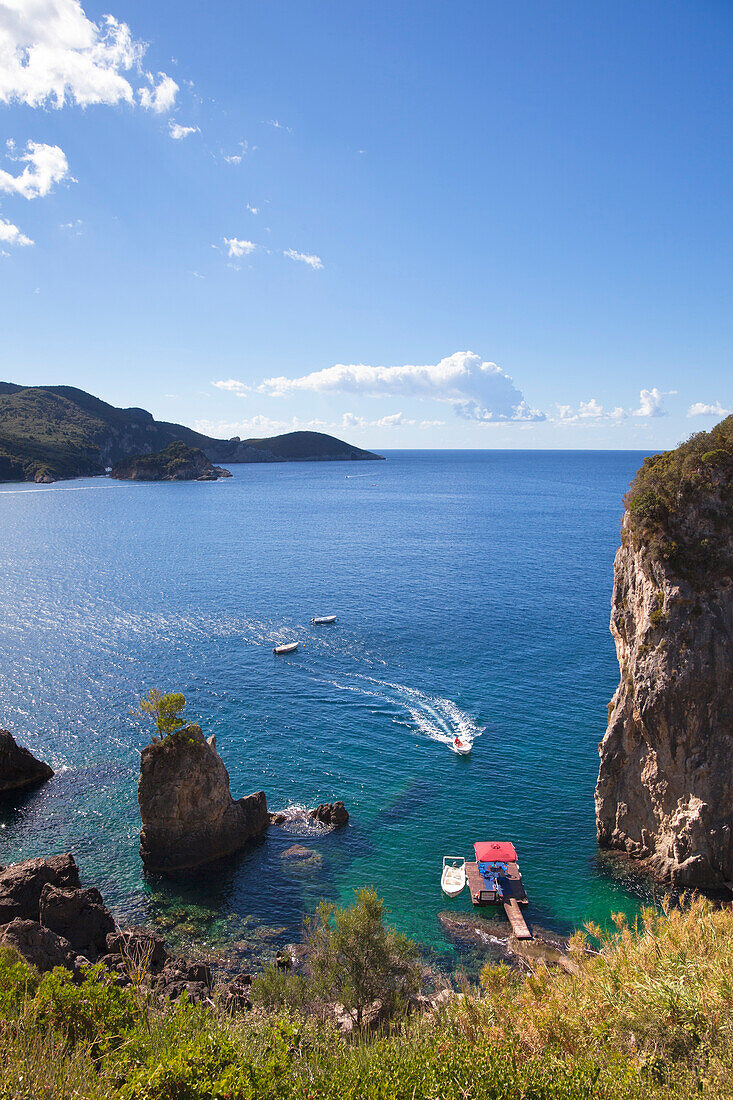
x=18, y=766
x=189, y=817
x=665, y=783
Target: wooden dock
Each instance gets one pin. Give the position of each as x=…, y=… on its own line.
x=513, y=893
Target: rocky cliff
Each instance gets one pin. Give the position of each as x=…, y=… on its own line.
x=19, y=768
x=177, y=462
x=665, y=784
x=189, y=817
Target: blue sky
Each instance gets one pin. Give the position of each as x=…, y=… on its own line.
x=409, y=224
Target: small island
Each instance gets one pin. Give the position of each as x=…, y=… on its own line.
x=177, y=462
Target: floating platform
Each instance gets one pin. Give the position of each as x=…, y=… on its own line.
x=513, y=894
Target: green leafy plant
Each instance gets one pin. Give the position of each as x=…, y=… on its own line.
x=164, y=710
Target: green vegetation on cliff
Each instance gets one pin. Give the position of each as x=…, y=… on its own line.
x=649, y=1014
x=177, y=462
x=680, y=504
x=53, y=432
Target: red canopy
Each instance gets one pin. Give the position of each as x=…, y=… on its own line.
x=495, y=851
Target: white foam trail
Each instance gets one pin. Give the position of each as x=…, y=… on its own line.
x=61, y=489
x=434, y=717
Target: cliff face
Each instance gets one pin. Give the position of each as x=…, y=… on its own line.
x=665, y=785
x=188, y=814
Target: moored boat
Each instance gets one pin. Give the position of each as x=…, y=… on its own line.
x=453, y=877
x=290, y=647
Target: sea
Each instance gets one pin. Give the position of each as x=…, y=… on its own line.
x=472, y=590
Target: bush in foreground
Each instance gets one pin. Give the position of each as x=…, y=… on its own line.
x=647, y=1013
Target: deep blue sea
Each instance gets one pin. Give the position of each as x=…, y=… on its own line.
x=473, y=594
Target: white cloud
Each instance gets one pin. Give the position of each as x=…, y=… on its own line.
x=237, y=158
x=10, y=234
x=699, y=408
x=305, y=258
x=231, y=385
x=393, y=420
x=158, y=97
x=279, y=125
x=477, y=390
x=258, y=425
x=238, y=248
x=650, y=402
x=253, y=209
x=52, y=54
x=45, y=165
x=178, y=132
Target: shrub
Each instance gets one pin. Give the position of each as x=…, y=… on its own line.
x=18, y=981
x=97, y=1010
x=680, y=504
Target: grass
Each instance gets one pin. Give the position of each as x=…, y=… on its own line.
x=680, y=505
x=647, y=1012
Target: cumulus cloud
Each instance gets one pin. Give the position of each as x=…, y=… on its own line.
x=178, y=132
x=305, y=258
x=252, y=209
x=279, y=125
x=258, y=425
x=589, y=411
x=238, y=248
x=477, y=390
x=650, y=402
x=158, y=97
x=10, y=234
x=231, y=385
x=45, y=165
x=699, y=408
x=52, y=54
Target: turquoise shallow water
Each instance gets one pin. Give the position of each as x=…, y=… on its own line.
x=473, y=593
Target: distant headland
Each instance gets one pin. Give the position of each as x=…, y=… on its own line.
x=48, y=433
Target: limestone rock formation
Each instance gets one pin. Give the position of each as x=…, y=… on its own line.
x=40, y=946
x=21, y=885
x=665, y=784
x=80, y=916
x=19, y=767
x=188, y=814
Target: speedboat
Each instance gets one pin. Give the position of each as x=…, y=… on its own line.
x=453, y=878
x=320, y=620
x=461, y=745
x=289, y=648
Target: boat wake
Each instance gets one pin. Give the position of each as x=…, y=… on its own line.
x=432, y=716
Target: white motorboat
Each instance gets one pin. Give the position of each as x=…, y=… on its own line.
x=461, y=745
x=320, y=620
x=289, y=648
x=453, y=878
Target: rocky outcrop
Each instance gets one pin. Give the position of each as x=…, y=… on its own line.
x=330, y=813
x=189, y=817
x=18, y=766
x=41, y=947
x=51, y=921
x=79, y=916
x=21, y=885
x=178, y=462
x=665, y=784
